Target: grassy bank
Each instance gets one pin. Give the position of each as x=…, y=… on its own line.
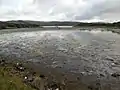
x=17, y=76
x=11, y=81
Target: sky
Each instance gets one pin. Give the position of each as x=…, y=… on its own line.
x=60, y=10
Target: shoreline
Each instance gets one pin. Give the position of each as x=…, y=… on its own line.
x=61, y=80
x=111, y=29
x=49, y=77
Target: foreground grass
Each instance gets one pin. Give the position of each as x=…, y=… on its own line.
x=11, y=82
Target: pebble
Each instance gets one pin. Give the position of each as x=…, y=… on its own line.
x=83, y=73
x=112, y=64
x=25, y=78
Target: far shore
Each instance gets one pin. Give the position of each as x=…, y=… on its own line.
x=54, y=28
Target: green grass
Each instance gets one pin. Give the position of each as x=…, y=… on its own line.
x=11, y=82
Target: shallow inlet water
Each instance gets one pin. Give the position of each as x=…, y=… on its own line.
x=74, y=51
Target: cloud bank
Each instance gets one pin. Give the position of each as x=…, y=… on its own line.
x=54, y=10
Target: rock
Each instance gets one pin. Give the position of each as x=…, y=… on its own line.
x=98, y=84
x=19, y=64
x=90, y=87
x=102, y=75
x=33, y=73
x=19, y=67
x=116, y=63
x=93, y=87
x=2, y=62
x=30, y=79
x=90, y=72
x=83, y=73
x=113, y=64
x=64, y=63
x=39, y=83
x=115, y=75
x=109, y=58
x=42, y=76
x=53, y=86
x=25, y=78
x=78, y=78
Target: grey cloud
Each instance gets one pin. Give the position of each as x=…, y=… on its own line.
x=62, y=10
x=99, y=9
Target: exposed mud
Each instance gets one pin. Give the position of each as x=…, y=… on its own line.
x=93, y=57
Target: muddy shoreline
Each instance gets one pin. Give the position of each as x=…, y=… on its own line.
x=73, y=81
x=53, y=79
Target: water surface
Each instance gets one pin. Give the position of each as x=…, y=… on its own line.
x=74, y=51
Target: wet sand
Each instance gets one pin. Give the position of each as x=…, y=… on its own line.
x=88, y=58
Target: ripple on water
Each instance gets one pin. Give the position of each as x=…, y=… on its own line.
x=71, y=50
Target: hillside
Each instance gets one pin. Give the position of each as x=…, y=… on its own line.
x=33, y=24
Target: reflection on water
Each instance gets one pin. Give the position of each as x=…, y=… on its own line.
x=72, y=50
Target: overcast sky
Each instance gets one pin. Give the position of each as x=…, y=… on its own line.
x=52, y=10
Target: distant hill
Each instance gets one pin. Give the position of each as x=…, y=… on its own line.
x=30, y=24
x=99, y=24
x=43, y=23
x=17, y=24
x=33, y=24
